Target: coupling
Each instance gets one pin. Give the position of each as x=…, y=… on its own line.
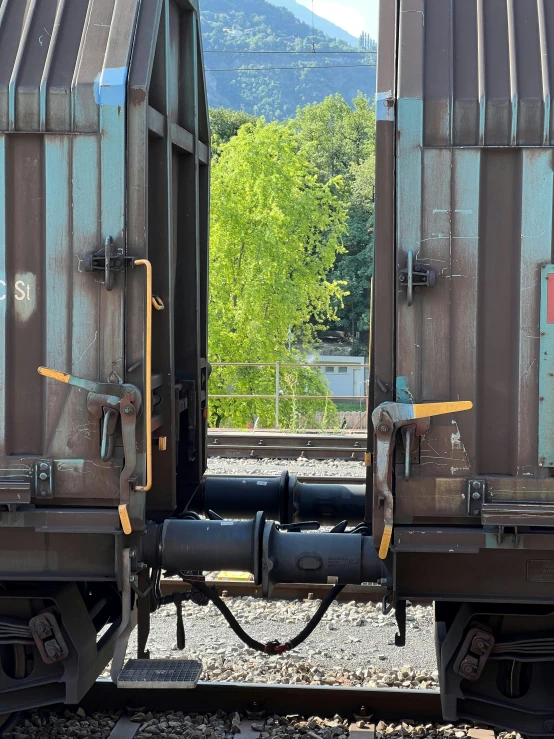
x=284, y=499
x=271, y=555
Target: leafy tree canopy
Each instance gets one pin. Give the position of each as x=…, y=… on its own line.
x=337, y=136
x=225, y=124
x=340, y=141
x=276, y=231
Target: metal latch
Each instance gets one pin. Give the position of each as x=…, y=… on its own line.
x=388, y=419
x=123, y=399
x=416, y=276
x=108, y=260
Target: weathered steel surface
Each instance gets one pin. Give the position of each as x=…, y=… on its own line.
x=472, y=194
x=103, y=133
x=546, y=368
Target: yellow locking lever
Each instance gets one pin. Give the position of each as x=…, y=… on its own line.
x=387, y=419
x=107, y=397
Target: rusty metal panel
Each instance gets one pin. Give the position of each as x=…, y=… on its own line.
x=103, y=124
x=61, y=195
x=546, y=371
x=473, y=191
x=483, y=67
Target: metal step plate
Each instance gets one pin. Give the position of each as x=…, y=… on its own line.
x=160, y=673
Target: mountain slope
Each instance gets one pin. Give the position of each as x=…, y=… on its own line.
x=305, y=15
x=256, y=82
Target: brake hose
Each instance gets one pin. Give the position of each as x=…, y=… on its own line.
x=273, y=647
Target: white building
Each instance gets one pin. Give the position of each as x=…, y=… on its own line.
x=345, y=375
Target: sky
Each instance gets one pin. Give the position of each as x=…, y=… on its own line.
x=353, y=16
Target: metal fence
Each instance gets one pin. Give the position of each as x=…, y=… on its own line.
x=277, y=396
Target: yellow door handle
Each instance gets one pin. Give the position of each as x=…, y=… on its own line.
x=427, y=410
x=148, y=372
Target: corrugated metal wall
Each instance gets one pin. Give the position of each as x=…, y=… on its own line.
x=103, y=133
x=483, y=67
x=62, y=68
x=469, y=104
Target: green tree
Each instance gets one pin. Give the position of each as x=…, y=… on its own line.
x=225, y=123
x=366, y=43
x=340, y=140
x=275, y=233
x=337, y=136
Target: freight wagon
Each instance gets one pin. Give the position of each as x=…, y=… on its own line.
x=104, y=175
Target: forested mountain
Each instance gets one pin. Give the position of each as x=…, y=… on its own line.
x=322, y=24
x=255, y=82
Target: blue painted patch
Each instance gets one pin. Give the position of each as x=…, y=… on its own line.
x=403, y=394
x=110, y=87
x=383, y=110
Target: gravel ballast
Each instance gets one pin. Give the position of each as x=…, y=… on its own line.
x=300, y=466
x=354, y=644
x=47, y=723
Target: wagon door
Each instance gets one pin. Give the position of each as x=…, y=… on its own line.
x=472, y=233
x=63, y=76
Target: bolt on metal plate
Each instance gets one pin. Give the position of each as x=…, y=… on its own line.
x=476, y=491
x=44, y=479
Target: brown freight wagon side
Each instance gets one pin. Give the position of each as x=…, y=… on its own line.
x=464, y=312
x=104, y=154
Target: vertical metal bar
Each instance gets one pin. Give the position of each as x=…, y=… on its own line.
x=113, y=126
x=148, y=376
x=48, y=63
x=409, y=192
x=84, y=316
x=75, y=80
x=537, y=195
x=464, y=330
x=277, y=390
x=59, y=266
x=436, y=251
x=3, y=297
x=545, y=72
x=513, y=69
x=451, y=101
x=17, y=64
x=481, y=70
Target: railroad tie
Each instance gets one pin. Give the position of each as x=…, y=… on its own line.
x=125, y=728
x=361, y=732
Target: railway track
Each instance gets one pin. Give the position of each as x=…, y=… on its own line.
x=248, y=709
x=257, y=700
x=273, y=445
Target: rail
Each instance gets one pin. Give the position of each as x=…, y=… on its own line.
x=274, y=445
x=377, y=704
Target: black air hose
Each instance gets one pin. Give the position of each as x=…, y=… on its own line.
x=273, y=647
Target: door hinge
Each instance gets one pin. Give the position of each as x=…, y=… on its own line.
x=415, y=276
x=109, y=260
